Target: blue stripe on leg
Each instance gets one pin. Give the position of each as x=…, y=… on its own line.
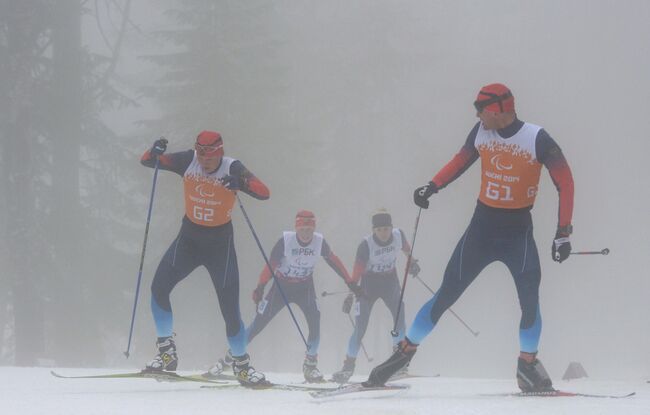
x=529, y=337
x=164, y=319
x=422, y=325
x=238, y=342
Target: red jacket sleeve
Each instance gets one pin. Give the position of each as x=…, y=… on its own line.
x=457, y=166
x=560, y=172
x=551, y=156
x=175, y=162
x=360, y=261
x=252, y=185
x=276, y=258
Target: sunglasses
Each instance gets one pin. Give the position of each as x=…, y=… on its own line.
x=494, y=98
x=207, y=150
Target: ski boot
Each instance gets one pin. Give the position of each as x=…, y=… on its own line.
x=218, y=368
x=531, y=375
x=403, y=372
x=311, y=372
x=166, y=359
x=246, y=374
x=343, y=375
x=402, y=357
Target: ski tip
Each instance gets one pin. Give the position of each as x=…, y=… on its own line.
x=563, y=394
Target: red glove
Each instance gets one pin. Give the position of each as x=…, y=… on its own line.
x=258, y=294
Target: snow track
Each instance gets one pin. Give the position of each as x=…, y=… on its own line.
x=27, y=391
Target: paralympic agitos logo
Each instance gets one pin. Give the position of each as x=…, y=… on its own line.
x=496, y=162
x=202, y=191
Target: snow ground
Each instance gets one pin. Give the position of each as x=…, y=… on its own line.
x=27, y=391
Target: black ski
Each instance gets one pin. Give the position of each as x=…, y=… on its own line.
x=161, y=376
x=560, y=394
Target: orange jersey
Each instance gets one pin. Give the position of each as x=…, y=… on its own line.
x=207, y=201
x=509, y=168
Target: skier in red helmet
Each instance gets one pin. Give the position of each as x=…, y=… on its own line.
x=512, y=154
x=206, y=238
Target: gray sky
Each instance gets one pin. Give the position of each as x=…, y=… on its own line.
x=385, y=88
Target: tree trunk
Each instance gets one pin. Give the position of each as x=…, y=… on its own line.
x=71, y=332
x=20, y=235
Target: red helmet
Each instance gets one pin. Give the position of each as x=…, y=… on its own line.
x=209, y=144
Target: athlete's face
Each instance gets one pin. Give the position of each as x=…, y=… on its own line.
x=209, y=156
x=383, y=233
x=495, y=120
x=488, y=119
x=305, y=233
x=208, y=163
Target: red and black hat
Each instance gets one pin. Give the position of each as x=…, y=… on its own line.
x=495, y=98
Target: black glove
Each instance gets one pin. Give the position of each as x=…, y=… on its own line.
x=414, y=268
x=423, y=193
x=561, y=247
x=159, y=147
x=357, y=290
x=258, y=294
x=232, y=182
x=347, y=303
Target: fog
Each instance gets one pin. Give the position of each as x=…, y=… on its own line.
x=344, y=107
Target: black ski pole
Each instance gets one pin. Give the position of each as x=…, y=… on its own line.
x=365, y=352
x=475, y=333
x=601, y=252
x=394, y=332
x=328, y=293
x=268, y=264
x=144, y=248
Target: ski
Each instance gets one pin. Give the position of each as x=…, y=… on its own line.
x=221, y=376
x=393, y=378
x=161, y=376
x=560, y=394
x=272, y=386
x=356, y=388
x=410, y=376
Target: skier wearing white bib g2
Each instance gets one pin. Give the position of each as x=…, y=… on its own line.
x=375, y=267
x=293, y=260
x=205, y=238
